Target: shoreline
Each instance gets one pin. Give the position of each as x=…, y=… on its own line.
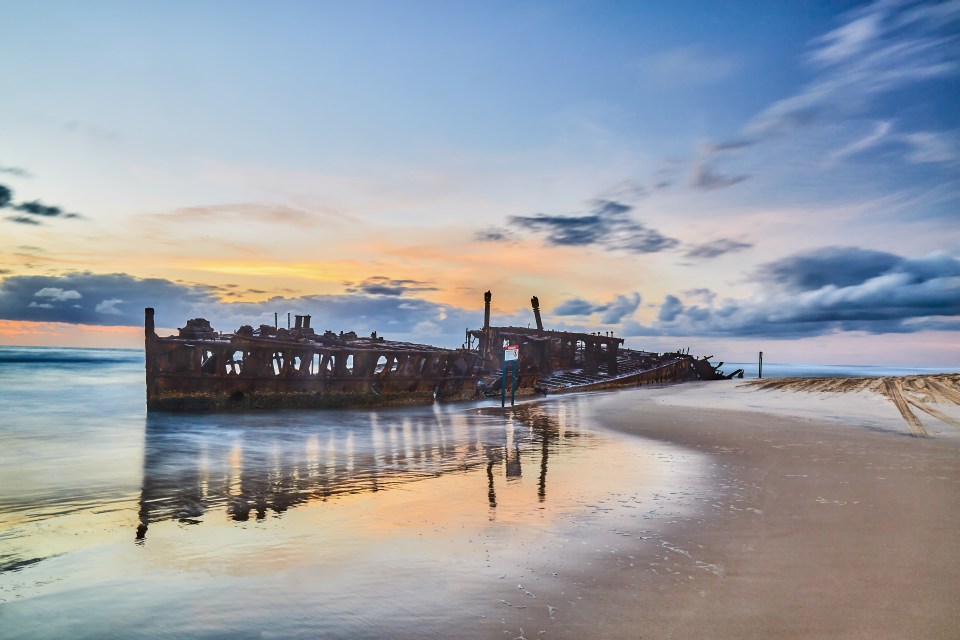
x=825, y=524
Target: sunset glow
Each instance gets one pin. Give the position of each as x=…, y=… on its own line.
x=746, y=180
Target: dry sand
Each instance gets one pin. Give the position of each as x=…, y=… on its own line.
x=840, y=523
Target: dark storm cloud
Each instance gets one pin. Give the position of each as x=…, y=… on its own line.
x=837, y=266
x=86, y=298
x=826, y=291
x=613, y=312
x=5, y=196
x=383, y=286
x=717, y=248
x=607, y=225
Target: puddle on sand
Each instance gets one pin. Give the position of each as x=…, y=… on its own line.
x=415, y=522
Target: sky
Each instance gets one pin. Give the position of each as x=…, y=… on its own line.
x=726, y=177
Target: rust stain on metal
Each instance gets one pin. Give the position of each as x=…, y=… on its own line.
x=201, y=369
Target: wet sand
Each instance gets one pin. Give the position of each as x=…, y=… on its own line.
x=838, y=524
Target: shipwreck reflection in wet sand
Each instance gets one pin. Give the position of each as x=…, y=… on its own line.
x=253, y=465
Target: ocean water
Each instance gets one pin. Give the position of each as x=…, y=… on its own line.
x=779, y=370
x=422, y=522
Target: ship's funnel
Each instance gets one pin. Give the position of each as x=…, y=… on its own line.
x=486, y=310
x=535, y=303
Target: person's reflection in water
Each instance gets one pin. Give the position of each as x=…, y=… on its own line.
x=494, y=455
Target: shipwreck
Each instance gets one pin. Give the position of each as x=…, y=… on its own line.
x=202, y=369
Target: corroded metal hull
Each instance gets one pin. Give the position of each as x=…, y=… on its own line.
x=201, y=370
x=204, y=370
x=565, y=361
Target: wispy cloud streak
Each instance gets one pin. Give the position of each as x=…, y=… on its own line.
x=884, y=46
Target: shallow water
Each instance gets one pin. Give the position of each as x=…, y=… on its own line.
x=413, y=522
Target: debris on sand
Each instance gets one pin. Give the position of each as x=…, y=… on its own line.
x=920, y=391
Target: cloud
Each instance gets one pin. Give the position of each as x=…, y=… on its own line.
x=717, y=248
x=15, y=171
x=926, y=147
x=922, y=147
x=383, y=286
x=37, y=208
x=847, y=41
x=57, y=294
x=729, y=145
x=670, y=309
x=23, y=220
x=242, y=212
x=613, y=312
x=494, y=234
x=119, y=300
x=608, y=225
x=75, y=298
x=872, y=139
x=619, y=308
x=826, y=291
x=109, y=307
x=882, y=47
x=627, y=190
x=33, y=208
x=829, y=266
x=702, y=293
x=705, y=178
x=574, y=307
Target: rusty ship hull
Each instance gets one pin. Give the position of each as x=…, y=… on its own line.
x=565, y=361
x=203, y=370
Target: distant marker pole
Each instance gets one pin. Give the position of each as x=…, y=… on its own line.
x=761, y=364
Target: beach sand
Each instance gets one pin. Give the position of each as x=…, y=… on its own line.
x=827, y=517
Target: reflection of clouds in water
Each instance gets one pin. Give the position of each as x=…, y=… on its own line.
x=250, y=464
